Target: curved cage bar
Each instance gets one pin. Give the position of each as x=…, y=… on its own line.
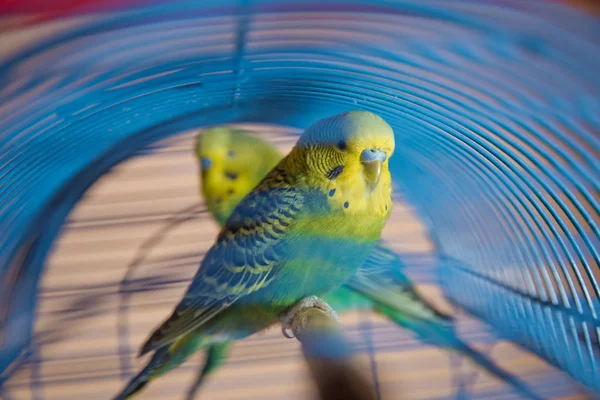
x=495, y=106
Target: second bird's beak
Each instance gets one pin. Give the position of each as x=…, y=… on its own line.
x=372, y=159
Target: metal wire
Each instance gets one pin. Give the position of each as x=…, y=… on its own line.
x=495, y=106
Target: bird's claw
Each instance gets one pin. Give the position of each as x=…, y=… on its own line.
x=307, y=302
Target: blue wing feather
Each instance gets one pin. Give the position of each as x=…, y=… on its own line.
x=247, y=251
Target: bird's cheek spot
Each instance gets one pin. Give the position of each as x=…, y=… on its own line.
x=335, y=172
x=231, y=191
x=219, y=200
x=331, y=192
x=231, y=175
x=346, y=205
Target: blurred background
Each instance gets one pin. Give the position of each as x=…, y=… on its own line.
x=495, y=106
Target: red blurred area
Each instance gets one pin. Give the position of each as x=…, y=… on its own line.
x=44, y=10
x=47, y=10
x=62, y=7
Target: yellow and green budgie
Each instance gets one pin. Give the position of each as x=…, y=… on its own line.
x=232, y=162
x=302, y=232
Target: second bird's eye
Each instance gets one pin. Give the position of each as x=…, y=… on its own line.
x=205, y=163
x=341, y=145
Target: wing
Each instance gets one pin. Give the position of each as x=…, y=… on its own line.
x=246, y=257
x=381, y=278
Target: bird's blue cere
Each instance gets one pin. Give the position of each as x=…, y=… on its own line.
x=370, y=155
x=205, y=163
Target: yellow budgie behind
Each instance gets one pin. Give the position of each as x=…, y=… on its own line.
x=230, y=168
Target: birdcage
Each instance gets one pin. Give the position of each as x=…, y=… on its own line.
x=495, y=107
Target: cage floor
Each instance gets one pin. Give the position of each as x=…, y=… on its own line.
x=77, y=353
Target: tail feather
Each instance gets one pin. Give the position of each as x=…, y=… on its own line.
x=138, y=382
x=135, y=385
x=165, y=359
x=216, y=355
x=487, y=364
x=441, y=333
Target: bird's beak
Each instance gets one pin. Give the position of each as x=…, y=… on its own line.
x=372, y=160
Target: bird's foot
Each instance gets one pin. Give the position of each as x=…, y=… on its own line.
x=307, y=302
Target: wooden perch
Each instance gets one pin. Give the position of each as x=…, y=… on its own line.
x=329, y=357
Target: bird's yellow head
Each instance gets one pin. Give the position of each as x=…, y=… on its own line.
x=232, y=162
x=347, y=156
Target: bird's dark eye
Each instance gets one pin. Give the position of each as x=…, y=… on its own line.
x=231, y=154
x=341, y=145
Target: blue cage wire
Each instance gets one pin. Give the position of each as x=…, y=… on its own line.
x=495, y=106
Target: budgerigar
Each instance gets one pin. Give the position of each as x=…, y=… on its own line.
x=302, y=232
x=232, y=162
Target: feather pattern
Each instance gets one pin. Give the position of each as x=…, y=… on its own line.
x=246, y=257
